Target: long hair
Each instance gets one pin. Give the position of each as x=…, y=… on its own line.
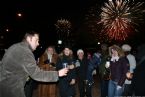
x=118, y=49
x=54, y=51
x=61, y=55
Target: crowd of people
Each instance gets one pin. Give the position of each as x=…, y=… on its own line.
x=121, y=73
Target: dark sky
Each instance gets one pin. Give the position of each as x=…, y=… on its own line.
x=41, y=12
x=40, y=16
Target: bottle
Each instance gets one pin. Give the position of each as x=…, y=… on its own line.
x=65, y=65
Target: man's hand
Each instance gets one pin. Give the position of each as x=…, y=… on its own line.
x=129, y=75
x=62, y=72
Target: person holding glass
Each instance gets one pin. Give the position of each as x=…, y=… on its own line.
x=18, y=64
x=66, y=84
x=118, y=66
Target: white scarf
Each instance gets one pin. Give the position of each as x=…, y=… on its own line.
x=49, y=57
x=114, y=58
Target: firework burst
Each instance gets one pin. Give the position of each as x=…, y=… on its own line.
x=63, y=25
x=91, y=24
x=120, y=17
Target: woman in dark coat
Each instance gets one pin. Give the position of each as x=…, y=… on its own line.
x=118, y=66
x=66, y=83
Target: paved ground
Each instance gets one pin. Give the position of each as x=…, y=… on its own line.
x=95, y=90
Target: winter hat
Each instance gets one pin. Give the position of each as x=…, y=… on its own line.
x=80, y=51
x=126, y=47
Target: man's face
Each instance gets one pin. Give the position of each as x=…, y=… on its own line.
x=33, y=41
x=50, y=50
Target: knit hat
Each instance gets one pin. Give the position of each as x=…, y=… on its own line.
x=126, y=47
x=80, y=51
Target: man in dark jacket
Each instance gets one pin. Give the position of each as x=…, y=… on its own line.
x=19, y=63
x=81, y=70
x=138, y=80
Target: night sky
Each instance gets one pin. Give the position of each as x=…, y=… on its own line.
x=41, y=16
x=38, y=15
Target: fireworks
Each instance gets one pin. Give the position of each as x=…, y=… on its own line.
x=63, y=25
x=92, y=27
x=119, y=18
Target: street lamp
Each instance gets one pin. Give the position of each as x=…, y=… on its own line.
x=59, y=42
x=19, y=14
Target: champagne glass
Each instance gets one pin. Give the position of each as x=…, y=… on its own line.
x=107, y=65
x=65, y=65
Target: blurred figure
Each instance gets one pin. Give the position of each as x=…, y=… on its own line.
x=29, y=87
x=132, y=62
x=48, y=62
x=67, y=84
x=118, y=67
x=93, y=63
x=89, y=55
x=103, y=71
x=18, y=63
x=138, y=80
x=81, y=71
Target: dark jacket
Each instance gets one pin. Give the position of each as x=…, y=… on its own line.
x=119, y=69
x=138, y=81
x=65, y=88
x=82, y=69
x=94, y=62
x=17, y=65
